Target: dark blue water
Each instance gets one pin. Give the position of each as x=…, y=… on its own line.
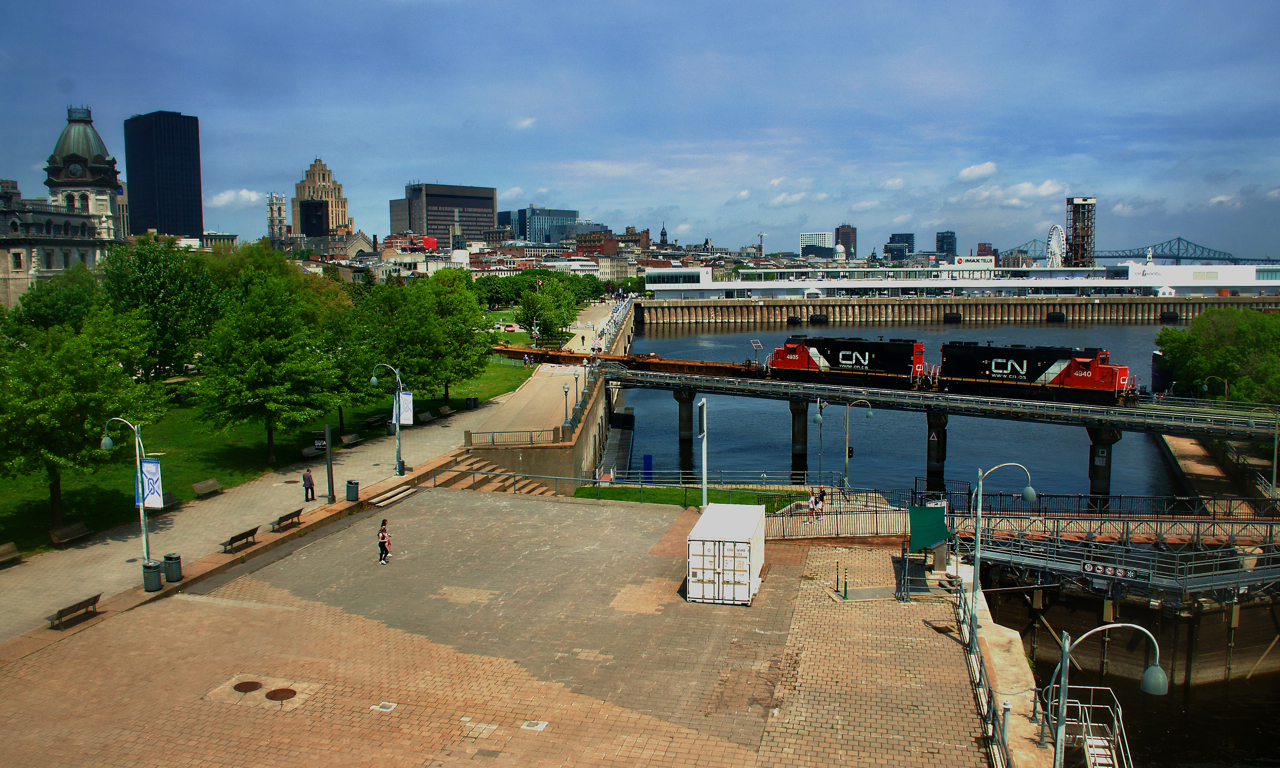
x=889, y=448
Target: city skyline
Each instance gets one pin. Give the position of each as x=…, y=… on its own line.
x=719, y=126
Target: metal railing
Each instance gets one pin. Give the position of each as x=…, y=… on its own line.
x=1094, y=723
x=519, y=437
x=1132, y=507
x=1170, y=421
x=995, y=717
x=730, y=477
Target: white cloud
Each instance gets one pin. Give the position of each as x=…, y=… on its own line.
x=680, y=230
x=785, y=199
x=510, y=193
x=903, y=219
x=1015, y=196
x=821, y=196
x=894, y=184
x=541, y=191
x=236, y=198
x=1225, y=200
x=743, y=195
x=1274, y=194
x=525, y=122
x=1048, y=189
x=777, y=181
x=865, y=205
x=975, y=172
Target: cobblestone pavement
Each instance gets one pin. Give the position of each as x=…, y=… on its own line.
x=111, y=561
x=507, y=629
x=871, y=682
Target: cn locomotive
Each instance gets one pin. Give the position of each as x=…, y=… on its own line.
x=1063, y=374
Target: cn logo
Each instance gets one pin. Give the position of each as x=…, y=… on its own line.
x=1000, y=365
x=855, y=358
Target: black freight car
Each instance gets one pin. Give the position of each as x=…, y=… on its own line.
x=892, y=364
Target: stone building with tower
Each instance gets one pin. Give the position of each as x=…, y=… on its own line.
x=80, y=218
x=319, y=205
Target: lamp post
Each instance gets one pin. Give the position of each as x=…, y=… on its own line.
x=373, y=382
x=817, y=419
x=846, y=436
x=566, y=403
x=1029, y=496
x=577, y=396
x=1275, y=443
x=1226, y=388
x=138, y=453
x=1154, y=682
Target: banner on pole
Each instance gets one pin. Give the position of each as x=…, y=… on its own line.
x=404, y=409
x=152, y=489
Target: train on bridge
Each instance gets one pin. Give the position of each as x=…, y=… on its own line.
x=1059, y=374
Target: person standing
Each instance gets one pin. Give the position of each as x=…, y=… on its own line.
x=308, y=487
x=384, y=544
x=813, y=501
x=822, y=500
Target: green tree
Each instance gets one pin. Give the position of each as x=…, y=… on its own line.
x=57, y=390
x=173, y=288
x=67, y=299
x=1240, y=346
x=463, y=339
x=263, y=364
x=347, y=337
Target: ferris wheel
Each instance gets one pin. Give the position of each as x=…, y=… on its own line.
x=1055, y=247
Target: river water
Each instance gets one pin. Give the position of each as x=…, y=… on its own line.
x=889, y=448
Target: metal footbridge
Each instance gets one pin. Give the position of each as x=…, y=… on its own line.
x=1181, y=421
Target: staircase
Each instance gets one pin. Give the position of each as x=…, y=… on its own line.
x=463, y=471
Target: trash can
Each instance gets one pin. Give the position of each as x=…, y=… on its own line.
x=391, y=428
x=172, y=567
x=353, y=490
x=473, y=403
x=151, y=576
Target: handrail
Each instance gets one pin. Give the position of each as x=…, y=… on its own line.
x=993, y=725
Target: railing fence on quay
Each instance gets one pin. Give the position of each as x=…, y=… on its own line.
x=519, y=437
x=994, y=714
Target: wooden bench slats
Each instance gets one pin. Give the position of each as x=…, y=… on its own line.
x=68, y=532
x=446, y=411
x=206, y=487
x=89, y=603
x=250, y=536
x=310, y=452
x=423, y=417
x=351, y=439
x=9, y=552
x=293, y=517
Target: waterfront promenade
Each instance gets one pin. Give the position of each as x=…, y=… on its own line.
x=510, y=629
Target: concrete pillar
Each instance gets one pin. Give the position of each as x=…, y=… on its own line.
x=685, y=399
x=799, y=427
x=1100, y=451
x=936, y=451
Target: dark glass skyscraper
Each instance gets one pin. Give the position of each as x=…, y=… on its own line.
x=162, y=155
x=945, y=242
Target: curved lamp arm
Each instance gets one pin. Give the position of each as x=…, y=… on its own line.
x=373, y=381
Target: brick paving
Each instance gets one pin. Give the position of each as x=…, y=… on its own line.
x=509, y=629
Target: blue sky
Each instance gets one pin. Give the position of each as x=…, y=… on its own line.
x=721, y=119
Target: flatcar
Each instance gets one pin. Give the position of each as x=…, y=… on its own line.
x=1067, y=374
x=892, y=364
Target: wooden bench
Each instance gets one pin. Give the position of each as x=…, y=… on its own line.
x=294, y=517
x=422, y=417
x=310, y=452
x=250, y=536
x=446, y=411
x=88, y=604
x=205, y=487
x=169, y=501
x=351, y=439
x=68, y=532
x=373, y=421
x=9, y=552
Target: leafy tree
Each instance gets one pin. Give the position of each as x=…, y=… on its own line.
x=262, y=363
x=404, y=326
x=226, y=266
x=347, y=337
x=67, y=299
x=57, y=391
x=463, y=339
x=174, y=290
x=1242, y=347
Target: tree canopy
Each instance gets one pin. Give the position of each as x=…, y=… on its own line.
x=1240, y=346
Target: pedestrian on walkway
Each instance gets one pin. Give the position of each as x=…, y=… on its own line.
x=822, y=500
x=384, y=544
x=526, y=361
x=813, y=502
x=308, y=487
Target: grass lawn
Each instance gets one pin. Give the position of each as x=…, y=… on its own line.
x=190, y=451
x=689, y=496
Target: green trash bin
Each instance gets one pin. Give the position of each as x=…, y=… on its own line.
x=151, y=576
x=353, y=490
x=173, y=567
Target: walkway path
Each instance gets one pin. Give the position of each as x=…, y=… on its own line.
x=1202, y=470
x=111, y=561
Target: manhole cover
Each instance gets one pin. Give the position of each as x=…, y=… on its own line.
x=248, y=686
x=281, y=694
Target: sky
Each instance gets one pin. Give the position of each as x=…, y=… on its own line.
x=721, y=120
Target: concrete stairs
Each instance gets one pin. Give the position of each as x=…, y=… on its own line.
x=462, y=471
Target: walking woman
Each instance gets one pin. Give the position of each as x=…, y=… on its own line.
x=384, y=544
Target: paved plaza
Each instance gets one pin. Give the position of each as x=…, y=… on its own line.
x=511, y=630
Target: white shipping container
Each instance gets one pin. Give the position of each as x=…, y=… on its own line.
x=726, y=554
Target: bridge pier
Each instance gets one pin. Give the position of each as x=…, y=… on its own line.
x=799, y=441
x=685, y=399
x=1100, y=449
x=936, y=451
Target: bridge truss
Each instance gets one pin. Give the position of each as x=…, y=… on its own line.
x=1176, y=250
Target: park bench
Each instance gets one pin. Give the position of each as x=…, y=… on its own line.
x=422, y=417
x=169, y=501
x=206, y=487
x=352, y=439
x=250, y=535
x=373, y=421
x=68, y=532
x=88, y=604
x=446, y=411
x=310, y=452
x=9, y=552
x=294, y=517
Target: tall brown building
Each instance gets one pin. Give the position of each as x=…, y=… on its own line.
x=318, y=184
x=848, y=237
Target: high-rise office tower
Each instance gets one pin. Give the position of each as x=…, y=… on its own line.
x=908, y=239
x=318, y=184
x=820, y=239
x=848, y=237
x=1080, y=222
x=162, y=152
x=539, y=225
x=434, y=209
x=945, y=242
